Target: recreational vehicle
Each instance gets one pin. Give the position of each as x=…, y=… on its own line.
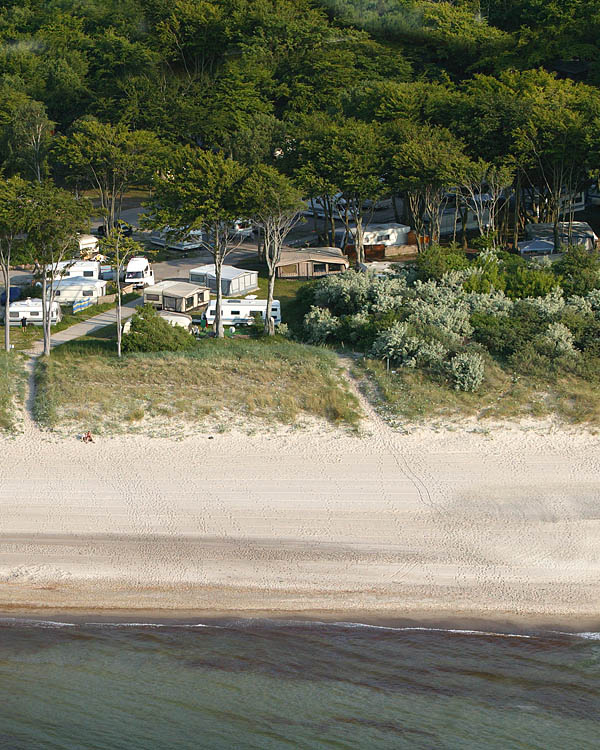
x=242, y=311
x=139, y=272
x=234, y=281
x=88, y=269
x=31, y=310
x=88, y=244
x=72, y=288
x=169, y=238
x=178, y=296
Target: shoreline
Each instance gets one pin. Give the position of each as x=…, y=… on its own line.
x=465, y=624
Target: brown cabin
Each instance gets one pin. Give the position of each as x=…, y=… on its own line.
x=311, y=262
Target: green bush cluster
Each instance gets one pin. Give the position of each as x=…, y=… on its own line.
x=151, y=333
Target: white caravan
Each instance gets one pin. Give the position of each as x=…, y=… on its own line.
x=31, y=310
x=139, y=273
x=242, y=311
x=168, y=237
x=88, y=269
x=72, y=288
x=88, y=244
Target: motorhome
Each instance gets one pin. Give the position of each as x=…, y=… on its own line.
x=88, y=269
x=139, y=272
x=72, y=288
x=242, y=311
x=170, y=238
x=31, y=310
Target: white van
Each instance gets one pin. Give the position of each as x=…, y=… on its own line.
x=31, y=309
x=242, y=311
x=139, y=273
x=168, y=237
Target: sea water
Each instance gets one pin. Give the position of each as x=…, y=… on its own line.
x=271, y=684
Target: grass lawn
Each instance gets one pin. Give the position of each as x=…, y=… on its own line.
x=23, y=339
x=85, y=386
x=12, y=387
x=412, y=395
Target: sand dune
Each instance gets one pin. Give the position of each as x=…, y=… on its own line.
x=441, y=522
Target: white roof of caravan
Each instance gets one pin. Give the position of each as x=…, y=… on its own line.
x=227, y=272
x=243, y=302
x=87, y=240
x=137, y=264
x=31, y=303
x=82, y=281
x=537, y=245
x=74, y=263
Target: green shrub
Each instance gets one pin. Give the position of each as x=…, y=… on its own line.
x=151, y=333
x=435, y=261
x=467, y=370
x=578, y=270
x=320, y=326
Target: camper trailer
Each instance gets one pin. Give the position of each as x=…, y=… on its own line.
x=234, y=281
x=88, y=269
x=169, y=238
x=88, y=244
x=31, y=310
x=178, y=296
x=139, y=273
x=72, y=288
x=242, y=311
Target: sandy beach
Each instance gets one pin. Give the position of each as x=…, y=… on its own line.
x=437, y=523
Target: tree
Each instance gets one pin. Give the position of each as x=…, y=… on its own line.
x=55, y=218
x=119, y=249
x=207, y=191
x=14, y=196
x=29, y=134
x=109, y=158
x=358, y=160
x=484, y=189
x=428, y=163
x=275, y=205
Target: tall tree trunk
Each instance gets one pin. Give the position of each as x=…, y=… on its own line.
x=6, y=274
x=218, y=256
x=269, y=325
x=45, y=313
x=119, y=328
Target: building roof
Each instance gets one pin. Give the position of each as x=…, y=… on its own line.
x=318, y=254
x=227, y=272
x=544, y=231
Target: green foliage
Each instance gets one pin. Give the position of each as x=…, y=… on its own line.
x=151, y=333
x=579, y=270
x=436, y=260
x=467, y=371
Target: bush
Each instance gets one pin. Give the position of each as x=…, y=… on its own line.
x=320, y=325
x=151, y=333
x=435, y=261
x=556, y=341
x=467, y=371
x=402, y=347
x=579, y=270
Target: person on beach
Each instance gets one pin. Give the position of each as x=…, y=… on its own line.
x=87, y=438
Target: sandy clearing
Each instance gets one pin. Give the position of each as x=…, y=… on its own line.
x=440, y=522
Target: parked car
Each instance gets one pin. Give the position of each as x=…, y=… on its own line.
x=123, y=226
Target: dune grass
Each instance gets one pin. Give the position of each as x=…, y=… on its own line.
x=12, y=388
x=83, y=384
x=413, y=395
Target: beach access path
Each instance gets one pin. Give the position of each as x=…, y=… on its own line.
x=108, y=317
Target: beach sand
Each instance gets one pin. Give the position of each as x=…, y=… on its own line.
x=438, y=523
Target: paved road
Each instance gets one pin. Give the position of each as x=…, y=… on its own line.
x=94, y=324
